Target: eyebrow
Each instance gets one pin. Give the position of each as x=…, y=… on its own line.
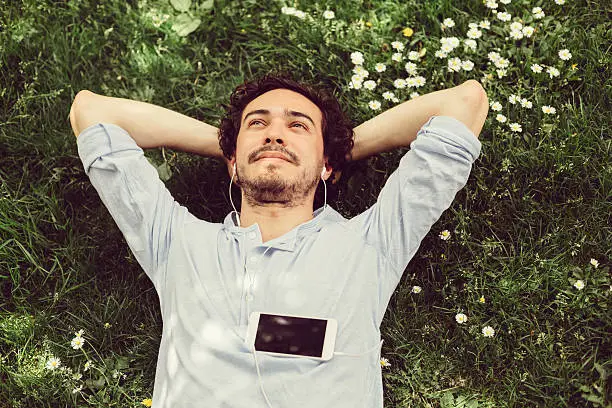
x=286, y=113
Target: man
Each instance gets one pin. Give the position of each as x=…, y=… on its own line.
x=279, y=138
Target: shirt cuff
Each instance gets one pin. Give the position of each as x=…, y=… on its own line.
x=454, y=132
x=101, y=139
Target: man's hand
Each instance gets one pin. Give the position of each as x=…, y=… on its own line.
x=149, y=125
x=398, y=126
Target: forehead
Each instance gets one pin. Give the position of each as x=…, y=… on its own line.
x=277, y=101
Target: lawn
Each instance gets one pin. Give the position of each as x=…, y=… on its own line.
x=507, y=301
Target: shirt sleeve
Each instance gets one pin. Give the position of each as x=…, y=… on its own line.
x=131, y=190
x=416, y=194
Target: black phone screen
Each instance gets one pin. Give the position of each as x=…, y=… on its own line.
x=290, y=335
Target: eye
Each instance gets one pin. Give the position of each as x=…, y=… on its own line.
x=256, y=121
x=300, y=124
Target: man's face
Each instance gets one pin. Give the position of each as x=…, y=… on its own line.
x=279, y=150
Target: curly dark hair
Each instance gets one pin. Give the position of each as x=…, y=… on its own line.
x=337, y=128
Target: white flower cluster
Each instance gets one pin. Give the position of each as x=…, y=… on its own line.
x=492, y=4
x=456, y=64
x=448, y=44
x=292, y=11
x=517, y=31
x=500, y=63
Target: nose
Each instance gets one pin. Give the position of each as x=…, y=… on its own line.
x=275, y=134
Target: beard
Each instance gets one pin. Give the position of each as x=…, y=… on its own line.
x=272, y=188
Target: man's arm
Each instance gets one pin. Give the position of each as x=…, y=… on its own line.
x=149, y=125
x=398, y=126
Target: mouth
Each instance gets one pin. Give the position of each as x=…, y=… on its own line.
x=272, y=156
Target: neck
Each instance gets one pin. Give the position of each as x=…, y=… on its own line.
x=275, y=219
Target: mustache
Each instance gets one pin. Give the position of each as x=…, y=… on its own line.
x=290, y=155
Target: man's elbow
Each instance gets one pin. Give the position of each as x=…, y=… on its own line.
x=80, y=101
x=476, y=98
x=469, y=104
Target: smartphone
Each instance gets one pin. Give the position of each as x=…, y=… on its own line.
x=292, y=335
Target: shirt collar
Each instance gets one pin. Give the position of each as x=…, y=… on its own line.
x=288, y=240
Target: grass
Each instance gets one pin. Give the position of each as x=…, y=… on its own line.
x=534, y=213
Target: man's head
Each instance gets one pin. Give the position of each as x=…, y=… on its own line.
x=302, y=125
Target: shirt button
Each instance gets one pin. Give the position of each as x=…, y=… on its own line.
x=253, y=259
x=251, y=235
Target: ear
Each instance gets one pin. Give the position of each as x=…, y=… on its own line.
x=328, y=170
x=230, y=165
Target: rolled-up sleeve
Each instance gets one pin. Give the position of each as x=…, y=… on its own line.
x=131, y=190
x=417, y=193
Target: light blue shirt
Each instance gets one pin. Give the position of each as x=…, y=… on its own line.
x=210, y=276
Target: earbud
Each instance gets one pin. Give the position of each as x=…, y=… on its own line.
x=234, y=167
x=323, y=172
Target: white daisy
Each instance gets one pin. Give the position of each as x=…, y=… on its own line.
x=501, y=73
x=467, y=65
x=369, y=85
x=526, y=104
x=397, y=57
x=413, y=56
x=53, y=363
x=388, y=96
x=454, y=64
x=513, y=99
x=414, y=95
x=515, y=127
x=441, y=54
x=470, y=44
x=501, y=118
x=549, y=110
x=493, y=56
x=380, y=67
x=485, y=24
x=416, y=289
x=579, y=284
x=419, y=81
x=446, y=48
x=445, y=235
x=384, y=362
x=565, y=54
x=474, y=33
x=537, y=68
x=357, y=58
x=505, y=1
x=516, y=34
x=516, y=26
x=503, y=16
x=411, y=68
x=461, y=318
x=538, y=13
x=528, y=31
x=488, y=331
x=399, y=83
x=329, y=14
x=361, y=71
x=448, y=23
x=496, y=106
x=77, y=342
x=594, y=261
x=502, y=63
x=560, y=2
x=397, y=46
x=374, y=105
x=552, y=71
x=492, y=4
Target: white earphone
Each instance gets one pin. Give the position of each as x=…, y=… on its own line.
x=323, y=172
